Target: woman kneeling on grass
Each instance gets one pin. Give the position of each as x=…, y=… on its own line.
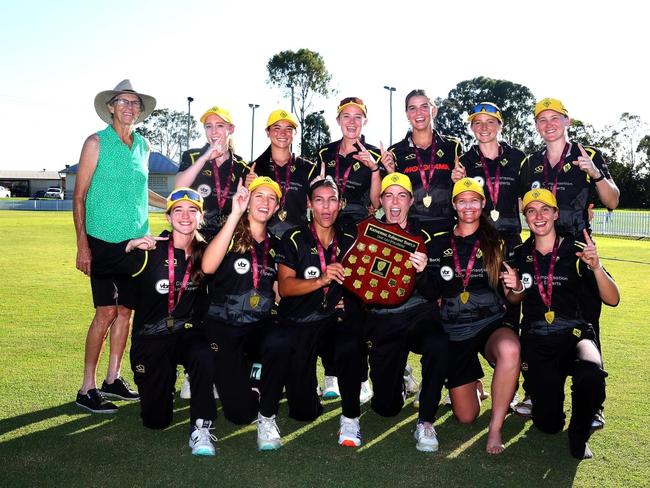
x=557, y=273
x=164, y=299
x=465, y=265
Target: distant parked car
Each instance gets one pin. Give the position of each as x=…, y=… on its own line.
x=4, y=192
x=55, y=192
x=38, y=194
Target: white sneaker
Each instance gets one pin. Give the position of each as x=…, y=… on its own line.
x=525, y=407
x=425, y=435
x=515, y=401
x=410, y=385
x=268, y=434
x=331, y=390
x=186, y=393
x=201, y=438
x=366, y=392
x=349, y=432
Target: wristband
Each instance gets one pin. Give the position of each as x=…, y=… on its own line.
x=374, y=170
x=600, y=178
x=518, y=292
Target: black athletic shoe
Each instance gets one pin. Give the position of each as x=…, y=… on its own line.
x=119, y=389
x=93, y=401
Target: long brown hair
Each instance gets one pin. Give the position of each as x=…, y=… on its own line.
x=196, y=255
x=242, y=238
x=492, y=249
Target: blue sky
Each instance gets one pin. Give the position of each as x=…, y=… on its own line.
x=57, y=55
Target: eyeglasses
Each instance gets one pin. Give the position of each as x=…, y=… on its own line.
x=487, y=107
x=123, y=102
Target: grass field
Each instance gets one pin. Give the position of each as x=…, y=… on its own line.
x=45, y=440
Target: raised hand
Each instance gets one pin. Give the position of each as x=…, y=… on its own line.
x=589, y=254
x=458, y=173
x=217, y=148
x=250, y=176
x=365, y=157
x=510, y=279
x=240, y=199
x=585, y=163
x=387, y=159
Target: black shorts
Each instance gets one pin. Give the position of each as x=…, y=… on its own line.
x=463, y=365
x=112, y=289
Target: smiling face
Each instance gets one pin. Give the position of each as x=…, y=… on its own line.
x=351, y=120
x=125, y=108
x=485, y=128
x=184, y=217
x=217, y=129
x=324, y=205
x=540, y=218
x=396, y=202
x=468, y=206
x=552, y=125
x=263, y=204
x=420, y=111
x=281, y=134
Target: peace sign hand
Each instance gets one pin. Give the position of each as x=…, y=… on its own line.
x=387, y=159
x=585, y=163
x=589, y=254
x=458, y=173
x=365, y=157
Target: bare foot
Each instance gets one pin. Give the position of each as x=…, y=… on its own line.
x=494, y=443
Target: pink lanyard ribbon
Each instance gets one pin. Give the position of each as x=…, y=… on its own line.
x=546, y=295
x=287, y=178
x=346, y=175
x=265, y=261
x=470, y=262
x=559, y=166
x=222, y=194
x=426, y=182
x=171, y=275
x=493, y=188
x=321, y=253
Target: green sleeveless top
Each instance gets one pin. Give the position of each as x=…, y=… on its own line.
x=117, y=199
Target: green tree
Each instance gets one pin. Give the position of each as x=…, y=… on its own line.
x=300, y=75
x=166, y=131
x=515, y=100
x=315, y=134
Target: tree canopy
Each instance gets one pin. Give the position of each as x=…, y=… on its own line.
x=166, y=131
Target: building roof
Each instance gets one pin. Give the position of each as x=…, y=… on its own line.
x=158, y=164
x=28, y=175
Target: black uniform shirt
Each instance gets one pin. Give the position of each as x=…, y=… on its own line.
x=295, y=201
x=299, y=252
x=439, y=215
x=357, y=188
x=572, y=281
x=508, y=203
x=150, y=272
x=575, y=190
x=205, y=184
x=233, y=298
x=462, y=320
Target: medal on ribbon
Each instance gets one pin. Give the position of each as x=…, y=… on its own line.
x=492, y=186
x=464, y=295
x=559, y=166
x=172, y=301
x=321, y=258
x=546, y=294
x=254, y=298
x=426, y=180
x=282, y=214
x=222, y=193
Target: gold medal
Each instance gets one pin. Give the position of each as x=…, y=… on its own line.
x=494, y=214
x=169, y=321
x=464, y=296
x=254, y=300
x=427, y=200
x=282, y=215
x=549, y=316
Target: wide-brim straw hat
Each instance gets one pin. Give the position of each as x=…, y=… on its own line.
x=124, y=86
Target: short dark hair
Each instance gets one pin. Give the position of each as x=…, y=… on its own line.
x=318, y=182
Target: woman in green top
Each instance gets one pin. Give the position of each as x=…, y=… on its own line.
x=110, y=205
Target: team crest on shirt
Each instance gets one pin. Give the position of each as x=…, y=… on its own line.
x=440, y=153
x=356, y=166
x=204, y=190
x=446, y=273
x=535, y=185
x=242, y=266
x=479, y=180
x=504, y=161
x=567, y=167
x=526, y=280
x=311, y=273
x=162, y=286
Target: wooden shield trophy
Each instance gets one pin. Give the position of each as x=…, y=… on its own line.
x=377, y=267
